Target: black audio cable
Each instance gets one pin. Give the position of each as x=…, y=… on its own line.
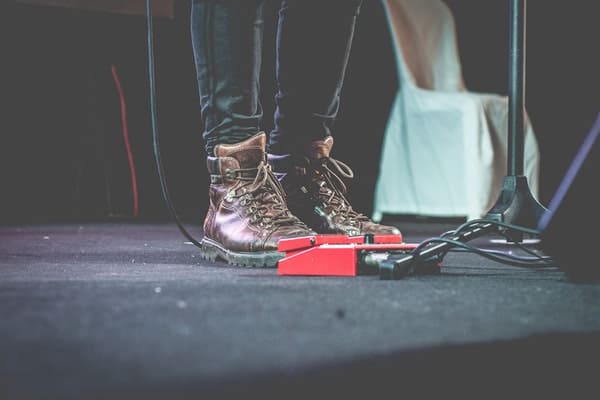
x=153, y=116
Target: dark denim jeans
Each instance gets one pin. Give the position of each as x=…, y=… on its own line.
x=313, y=44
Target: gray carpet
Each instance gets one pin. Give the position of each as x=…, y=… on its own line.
x=129, y=310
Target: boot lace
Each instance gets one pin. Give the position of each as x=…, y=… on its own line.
x=331, y=190
x=264, y=198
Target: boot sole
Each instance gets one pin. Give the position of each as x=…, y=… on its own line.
x=213, y=251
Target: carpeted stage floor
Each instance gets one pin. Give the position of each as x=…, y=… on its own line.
x=129, y=310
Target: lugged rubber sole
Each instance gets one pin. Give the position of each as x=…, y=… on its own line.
x=213, y=251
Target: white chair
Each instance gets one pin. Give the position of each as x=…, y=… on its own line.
x=444, y=150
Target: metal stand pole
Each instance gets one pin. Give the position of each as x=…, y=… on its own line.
x=516, y=204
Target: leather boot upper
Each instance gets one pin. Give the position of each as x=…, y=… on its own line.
x=316, y=192
x=247, y=209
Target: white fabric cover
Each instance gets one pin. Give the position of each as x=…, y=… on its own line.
x=444, y=151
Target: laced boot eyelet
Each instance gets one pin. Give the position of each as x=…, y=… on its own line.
x=229, y=173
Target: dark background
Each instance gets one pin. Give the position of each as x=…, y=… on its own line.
x=61, y=146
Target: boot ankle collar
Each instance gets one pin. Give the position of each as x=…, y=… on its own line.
x=319, y=148
x=218, y=165
x=288, y=164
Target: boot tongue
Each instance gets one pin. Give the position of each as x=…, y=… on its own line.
x=248, y=153
x=319, y=148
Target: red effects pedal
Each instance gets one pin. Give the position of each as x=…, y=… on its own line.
x=338, y=255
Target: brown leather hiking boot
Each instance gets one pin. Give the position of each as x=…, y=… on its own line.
x=247, y=215
x=316, y=193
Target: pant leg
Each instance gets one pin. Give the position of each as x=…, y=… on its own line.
x=227, y=43
x=314, y=39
